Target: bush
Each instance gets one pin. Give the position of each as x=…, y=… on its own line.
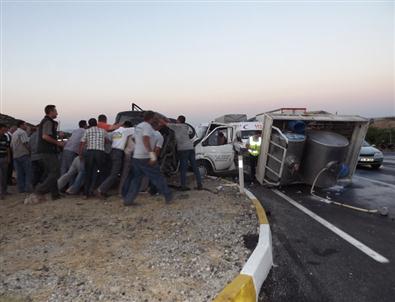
x=384, y=138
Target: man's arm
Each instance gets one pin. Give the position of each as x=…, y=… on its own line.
x=157, y=151
x=47, y=129
x=114, y=127
x=51, y=140
x=147, y=143
x=82, y=147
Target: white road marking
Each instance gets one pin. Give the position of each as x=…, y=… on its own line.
x=376, y=181
x=389, y=161
x=359, y=245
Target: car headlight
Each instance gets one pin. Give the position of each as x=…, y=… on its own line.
x=378, y=155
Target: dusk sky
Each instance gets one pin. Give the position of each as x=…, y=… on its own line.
x=200, y=59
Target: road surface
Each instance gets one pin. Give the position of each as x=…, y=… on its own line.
x=314, y=257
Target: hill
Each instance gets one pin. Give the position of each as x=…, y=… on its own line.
x=10, y=121
x=384, y=122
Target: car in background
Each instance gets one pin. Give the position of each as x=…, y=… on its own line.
x=370, y=156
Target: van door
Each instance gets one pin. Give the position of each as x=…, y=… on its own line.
x=218, y=148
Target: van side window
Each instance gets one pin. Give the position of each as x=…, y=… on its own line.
x=218, y=138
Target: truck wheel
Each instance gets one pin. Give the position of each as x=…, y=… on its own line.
x=204, y=168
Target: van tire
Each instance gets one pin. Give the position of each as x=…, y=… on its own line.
x=204, y=168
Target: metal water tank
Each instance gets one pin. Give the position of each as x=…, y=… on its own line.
x=292, y=160
x=323, y=148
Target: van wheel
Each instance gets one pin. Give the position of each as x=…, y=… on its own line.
x=204, y=168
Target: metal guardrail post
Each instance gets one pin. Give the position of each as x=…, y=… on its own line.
x=241, y=174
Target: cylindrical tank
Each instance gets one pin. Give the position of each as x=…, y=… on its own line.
x=323, y=148
x=292, y=160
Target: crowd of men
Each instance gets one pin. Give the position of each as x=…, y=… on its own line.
x=96, y=158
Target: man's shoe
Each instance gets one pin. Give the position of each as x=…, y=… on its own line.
x=184, y=189
x=56, y=197
x=100, y=194
x=199, y=187
x=34, y=199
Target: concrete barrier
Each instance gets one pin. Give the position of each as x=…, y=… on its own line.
x=247, y=285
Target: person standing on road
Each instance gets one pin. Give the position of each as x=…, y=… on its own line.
x=145, y=162
x=21, y=153
x=72, y=147
x=48, y=148
x=186, y=153
x=94, y=140
x=119, y=138
x=254, y=148
x=4, y=160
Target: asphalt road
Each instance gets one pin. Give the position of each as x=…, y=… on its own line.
x=312, y=263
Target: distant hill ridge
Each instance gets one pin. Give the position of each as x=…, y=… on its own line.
x=384, y=122
x=9, y=120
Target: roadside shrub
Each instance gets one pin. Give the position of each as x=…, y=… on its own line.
x=384, y=138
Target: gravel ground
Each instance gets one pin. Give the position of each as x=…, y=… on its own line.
x=94, y=250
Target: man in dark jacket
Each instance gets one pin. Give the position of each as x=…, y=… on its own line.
x=48, y=149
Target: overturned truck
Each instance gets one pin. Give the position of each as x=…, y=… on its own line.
x=315, y=148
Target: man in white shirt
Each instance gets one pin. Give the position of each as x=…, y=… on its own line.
x=119, y=138
x=21, y=154
x=145, y=162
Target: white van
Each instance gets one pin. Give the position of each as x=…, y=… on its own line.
x=216, y=151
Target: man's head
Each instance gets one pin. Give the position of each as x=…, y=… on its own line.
x=155, y=124
x=3, y=129
x=127, y=124
x=181, y=119
x=82, y=124
x=50, y=110
x=21, y=124
x=92, y=122
x=102, y=118
x=13, y=129
x=149, y=116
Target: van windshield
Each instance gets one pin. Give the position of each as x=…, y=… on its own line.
x=246, y=134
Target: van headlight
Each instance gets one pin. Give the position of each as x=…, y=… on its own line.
x=378, y=155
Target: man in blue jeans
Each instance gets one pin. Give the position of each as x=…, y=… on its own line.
x=145, y=162
x=186, y=153
x=21, y=153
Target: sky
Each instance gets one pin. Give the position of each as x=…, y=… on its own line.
x=201, y=59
